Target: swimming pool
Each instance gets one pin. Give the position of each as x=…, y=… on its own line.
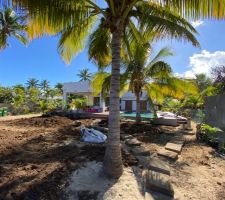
x=133, y=115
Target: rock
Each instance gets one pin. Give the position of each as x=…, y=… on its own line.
x=168, y=154
x=157, y=165
x=132, y=142
x=77, y=123
x=174, y=147
x=159, y=183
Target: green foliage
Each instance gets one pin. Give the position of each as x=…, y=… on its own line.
x=84, y=75
x=203, y=81
x=78, y=103
x=209, y=132
x=6, y=95
x=32, y=83
x=50, y=105
x=11, y=24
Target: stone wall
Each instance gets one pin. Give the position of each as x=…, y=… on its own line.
x=215, y=111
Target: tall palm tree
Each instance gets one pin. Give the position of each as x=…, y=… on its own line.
x=154, y=76
x=44, y=86
x=84, y=75
x=11, y=25
x=32, y=83
x=116, y=26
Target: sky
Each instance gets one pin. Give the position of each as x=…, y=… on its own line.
x=41, y=60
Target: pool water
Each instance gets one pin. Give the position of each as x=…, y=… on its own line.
x=133, y=115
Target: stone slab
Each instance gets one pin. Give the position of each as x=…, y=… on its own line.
x=132, y=142
x=168, y=154
x=158, y=182
x=140, y=151
x=150, y=195
x=158, y=165
x=174, y=147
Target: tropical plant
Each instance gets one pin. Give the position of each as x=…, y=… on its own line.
x=11, y=24
x=59, y=87
x=32, y=83
x=32, y=100
x=78, y=103
x=6, y=95
x=44, y=86
x=84, y=75
x=74, y=20
x=19, y=101
x=202, y=81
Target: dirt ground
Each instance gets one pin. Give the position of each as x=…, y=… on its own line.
x=198, y=174
x=38, y=154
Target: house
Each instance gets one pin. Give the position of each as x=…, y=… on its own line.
x=127, y=101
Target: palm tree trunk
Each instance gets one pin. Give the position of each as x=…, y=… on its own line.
x=138, y=108
x=113, y=166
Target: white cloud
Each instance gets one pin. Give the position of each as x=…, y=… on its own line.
x=197, y=23
x=203, y=63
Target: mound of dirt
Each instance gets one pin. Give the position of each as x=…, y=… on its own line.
x=134, y=128
x=48, y=122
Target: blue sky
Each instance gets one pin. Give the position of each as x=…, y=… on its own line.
x=40, y=59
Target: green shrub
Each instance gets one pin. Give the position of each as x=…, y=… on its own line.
x=209, y=132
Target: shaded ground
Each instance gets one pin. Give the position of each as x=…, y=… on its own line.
x=37, y=155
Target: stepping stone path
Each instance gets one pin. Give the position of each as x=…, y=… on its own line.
x=157, y=176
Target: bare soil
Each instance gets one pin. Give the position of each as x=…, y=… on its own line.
x=38, y=154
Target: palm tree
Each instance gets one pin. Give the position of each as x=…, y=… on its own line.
x=59, y=87
x=32, y=83
x=84, y=75
x=11, y=25
x=44, y=86
x=140, y=72
x=116, y=27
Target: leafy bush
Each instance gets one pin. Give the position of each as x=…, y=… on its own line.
x=209, y=133
x=78, y=103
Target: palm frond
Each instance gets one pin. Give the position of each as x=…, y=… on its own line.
x=73, y=39
x=99, y=50
x=196, y=9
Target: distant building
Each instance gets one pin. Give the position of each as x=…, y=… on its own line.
x=127, y=101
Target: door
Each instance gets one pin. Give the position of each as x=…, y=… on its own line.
x=143, y=106
x=128, y=106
